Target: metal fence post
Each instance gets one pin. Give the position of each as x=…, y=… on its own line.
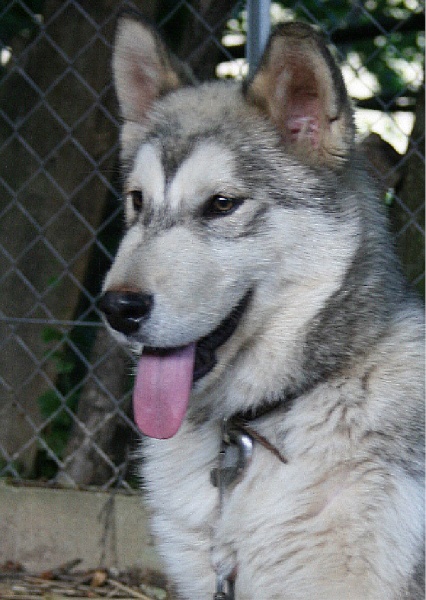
x=258, y=27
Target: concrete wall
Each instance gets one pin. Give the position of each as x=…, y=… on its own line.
x=42, y=528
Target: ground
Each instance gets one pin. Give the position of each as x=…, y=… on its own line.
x=67, y=582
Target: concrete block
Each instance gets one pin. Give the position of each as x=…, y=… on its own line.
x=42, y=528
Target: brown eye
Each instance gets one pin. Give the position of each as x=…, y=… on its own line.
x=136, y=198
x=220, y=206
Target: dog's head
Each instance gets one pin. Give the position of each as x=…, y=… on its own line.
x=228, y=189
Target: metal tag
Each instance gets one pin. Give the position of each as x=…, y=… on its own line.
x=225, y=589
x=235, y=456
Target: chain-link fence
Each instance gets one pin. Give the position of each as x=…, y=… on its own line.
x=65, y=410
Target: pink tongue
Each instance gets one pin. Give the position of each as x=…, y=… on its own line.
x=162, y=388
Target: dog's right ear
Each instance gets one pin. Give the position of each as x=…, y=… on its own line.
x=143, y=68
x=300, y=88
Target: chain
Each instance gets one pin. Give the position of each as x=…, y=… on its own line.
x=220, y=483
x=236, y=449
x=235, y=454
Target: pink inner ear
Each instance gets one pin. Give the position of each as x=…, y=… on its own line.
x=303, y=128
x=144, y=87
x=302, y=120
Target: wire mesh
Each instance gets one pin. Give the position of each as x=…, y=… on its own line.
x=65, y=410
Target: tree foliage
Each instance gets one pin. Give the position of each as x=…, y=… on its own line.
x=387, y=37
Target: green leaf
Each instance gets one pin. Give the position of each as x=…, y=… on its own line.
x=51, y=334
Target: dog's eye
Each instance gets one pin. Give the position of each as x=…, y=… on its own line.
x=218, y=206
x=136, y=198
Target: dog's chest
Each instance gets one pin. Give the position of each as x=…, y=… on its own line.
x=283, y=502
x=177, y=476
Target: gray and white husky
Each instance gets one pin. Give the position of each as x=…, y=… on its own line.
x=280, y=351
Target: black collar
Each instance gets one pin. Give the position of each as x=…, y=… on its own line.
x=252, y=414
x=243, y=421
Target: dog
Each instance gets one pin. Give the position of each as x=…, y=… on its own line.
x=279, y=378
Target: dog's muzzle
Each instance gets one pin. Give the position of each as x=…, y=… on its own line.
x=165, y=375
x=124, y=310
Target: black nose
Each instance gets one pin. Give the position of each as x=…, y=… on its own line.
x=124, y=310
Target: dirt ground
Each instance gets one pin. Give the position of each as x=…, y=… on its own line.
x=66, y=582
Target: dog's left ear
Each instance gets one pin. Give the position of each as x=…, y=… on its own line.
x=300, y=87
x=143, y=67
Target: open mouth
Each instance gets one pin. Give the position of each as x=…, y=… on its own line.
x=205, y=350
x=205, y=356
x=165, y=376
